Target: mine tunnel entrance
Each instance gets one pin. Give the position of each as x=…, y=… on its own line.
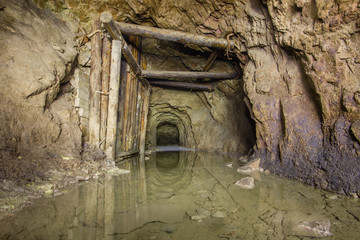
x=167, y=134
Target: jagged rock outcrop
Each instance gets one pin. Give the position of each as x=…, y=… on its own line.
x=37, y=118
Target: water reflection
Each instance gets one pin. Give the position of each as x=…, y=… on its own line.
x=186, y=195
x=166, y=161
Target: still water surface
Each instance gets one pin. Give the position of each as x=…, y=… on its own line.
x=187, y=195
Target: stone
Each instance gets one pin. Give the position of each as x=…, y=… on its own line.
x=334, y=197
x=355, y=130
x=115, y=171
x=229, y=165
x=316, y=229
x=251, y=167
x=306, y=225
x=219, y=214
x=169, y=228
x=246, y=183
x=201, y=215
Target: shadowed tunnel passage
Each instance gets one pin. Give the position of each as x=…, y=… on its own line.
x=167, y=134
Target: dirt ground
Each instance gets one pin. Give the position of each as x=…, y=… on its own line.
x=41, y=173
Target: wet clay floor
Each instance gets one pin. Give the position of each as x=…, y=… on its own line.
x=186, y=195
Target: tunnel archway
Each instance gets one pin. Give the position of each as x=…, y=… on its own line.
x=167, y=134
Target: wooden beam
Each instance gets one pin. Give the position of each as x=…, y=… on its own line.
x=106, y=59
x=187, y=74
x=107, y=20
x=174, y=36
x=184, y=85
x=124, y=155
x=113, y=98
x=144, y=118
x=95, y=86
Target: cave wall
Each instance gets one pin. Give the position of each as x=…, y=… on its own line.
x=307, y=117
x=37, y=118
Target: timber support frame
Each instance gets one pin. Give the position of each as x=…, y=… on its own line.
x=120, y=99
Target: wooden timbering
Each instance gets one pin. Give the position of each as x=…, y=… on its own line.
x=106, y=56
x=113, y=98
x=187, y=74
x=95, y=86
x=145, y=111
x=184, y=85
x=174, y=36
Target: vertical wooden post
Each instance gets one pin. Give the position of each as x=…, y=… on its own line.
x=113, y=98
x=121, y=120
x=106, y=55
x=138, y=115
x=144, y=119
x=95, y=86
x=126, y=112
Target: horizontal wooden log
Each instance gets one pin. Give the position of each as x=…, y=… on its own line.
x=174, y=36
x=107, y=20
x=187, y=74
x=184, y=85
x=124, y=155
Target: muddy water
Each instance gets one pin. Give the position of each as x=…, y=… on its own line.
x=187, y=195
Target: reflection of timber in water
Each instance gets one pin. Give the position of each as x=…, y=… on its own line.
x=169, y=172
x=98, y=209
x=168, y=198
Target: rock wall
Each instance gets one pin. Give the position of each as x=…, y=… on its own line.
x=306, y=106
x=37, y=118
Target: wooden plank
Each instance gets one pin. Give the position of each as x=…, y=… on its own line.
x=126, y=113
x=210, y=61
x=95, y=86
x=144, y=119
x=174, y=36
x=106, y=59
x=187, y=74
x=123, y=80
x=184, y=85
x=124, y=155
x=139, y=101
x=113, y=98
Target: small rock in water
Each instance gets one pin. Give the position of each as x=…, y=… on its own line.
x=244, y=159
x=333, y=197
x=168, y=228
x=230, y=165
x=313, y=229
x=219, y=214
x=250, y=167
x=245, y=170
x=246, y=183
x=201, y=214
x=117, y=171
